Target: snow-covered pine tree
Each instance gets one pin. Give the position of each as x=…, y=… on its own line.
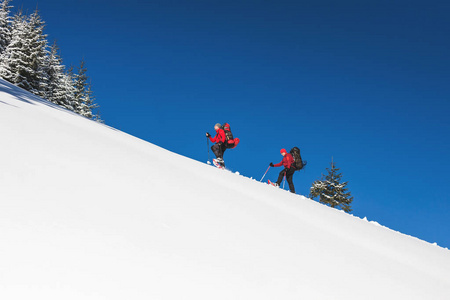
x=5, y=24
x=89, y=104
x=12, y=62
x=23, y=61
x=39, y=54
x=69, y=89
x=97, y=117
x=55, y=88
x=27, y=63
x=331, y=191
x=83, y=95
x=80, y=84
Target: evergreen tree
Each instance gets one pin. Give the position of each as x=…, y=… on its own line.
x=13, y=61
x=26, y=62
x=331, y=191
x=39, y=53
x=69, y=89
x=97, y=117
x=55, y=89
x=23, y=61
x=5, y=25
x=80, y=85
x=83, y=95
x=88, y=104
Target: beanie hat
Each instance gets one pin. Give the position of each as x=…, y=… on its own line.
x=283, y=151
x=218, y=125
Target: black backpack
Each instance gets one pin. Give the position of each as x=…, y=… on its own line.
x=298, y=162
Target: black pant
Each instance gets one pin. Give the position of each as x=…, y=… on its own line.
x=219, y=149
x=289, y=175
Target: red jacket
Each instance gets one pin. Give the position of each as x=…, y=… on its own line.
x=220, y=137
x=287, y=161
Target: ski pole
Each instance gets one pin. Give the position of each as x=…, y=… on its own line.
x=207, y=146
x=265, y=174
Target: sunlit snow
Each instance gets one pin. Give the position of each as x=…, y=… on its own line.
x=89, y=212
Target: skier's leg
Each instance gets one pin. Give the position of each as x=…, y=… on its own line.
x=216, y=149
x=223, y=148
x=281, y=176
x=289, y=177
x=220, y=158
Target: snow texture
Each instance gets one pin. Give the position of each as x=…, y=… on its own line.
x=89, y=212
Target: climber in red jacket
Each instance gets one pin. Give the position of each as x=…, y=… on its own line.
x=288, y=171
x=220, y=146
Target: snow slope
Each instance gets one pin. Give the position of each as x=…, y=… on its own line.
x=89, y=212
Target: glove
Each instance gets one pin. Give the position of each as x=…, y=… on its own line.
x=271, y=164
x=208, y=135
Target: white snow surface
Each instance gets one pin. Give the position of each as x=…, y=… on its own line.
x=89, y=212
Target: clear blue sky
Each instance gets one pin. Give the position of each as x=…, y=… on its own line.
x=366, y=82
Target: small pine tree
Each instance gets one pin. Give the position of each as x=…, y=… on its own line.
x=331, y=191
x=83, y=96
x=89, y=104
x=80, y=85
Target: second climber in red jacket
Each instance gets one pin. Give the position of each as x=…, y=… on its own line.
x=220, y=146
x=288, y=171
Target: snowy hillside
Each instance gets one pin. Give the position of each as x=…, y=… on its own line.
x=89, y=212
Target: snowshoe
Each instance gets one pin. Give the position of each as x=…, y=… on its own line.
x=219, y=163
x=273, y=183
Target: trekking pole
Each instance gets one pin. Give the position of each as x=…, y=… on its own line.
x=207, y=146
x=284, y=180
x=265, y=174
